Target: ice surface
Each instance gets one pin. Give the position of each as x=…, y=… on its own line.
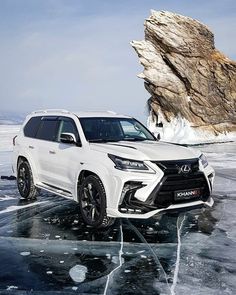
x=161, y=255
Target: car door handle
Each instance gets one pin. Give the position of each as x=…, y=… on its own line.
x=52, y=152
x=31, y=147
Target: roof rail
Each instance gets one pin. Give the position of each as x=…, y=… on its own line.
x=51, y=111
x=111, y=112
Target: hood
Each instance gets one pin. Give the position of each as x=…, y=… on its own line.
x=146, y=150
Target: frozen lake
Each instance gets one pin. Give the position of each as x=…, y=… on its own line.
x=46, y=249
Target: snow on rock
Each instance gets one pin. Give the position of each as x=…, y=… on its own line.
x=179, y=130
x=78, y=273
x=192, y=85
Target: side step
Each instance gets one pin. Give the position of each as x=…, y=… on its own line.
x=55, y=190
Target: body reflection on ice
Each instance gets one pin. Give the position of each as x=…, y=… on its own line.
x=44, y=246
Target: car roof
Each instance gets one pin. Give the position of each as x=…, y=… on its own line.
x=99, y=114
x=90, y=114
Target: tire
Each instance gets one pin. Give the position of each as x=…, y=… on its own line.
x=92, y=203
x=25, y=182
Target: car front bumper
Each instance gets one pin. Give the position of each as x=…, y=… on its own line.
x=151, y=196
x=189, y=205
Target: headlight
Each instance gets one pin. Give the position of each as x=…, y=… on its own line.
x=130, y=165
x=203, y=160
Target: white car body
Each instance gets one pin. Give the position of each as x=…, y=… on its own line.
x=57, y=166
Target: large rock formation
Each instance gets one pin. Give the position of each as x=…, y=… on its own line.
x=192, y=84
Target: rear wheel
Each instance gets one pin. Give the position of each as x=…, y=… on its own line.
x=25, y=181
x=92, y=202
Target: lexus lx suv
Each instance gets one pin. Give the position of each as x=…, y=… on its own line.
x=110, y=164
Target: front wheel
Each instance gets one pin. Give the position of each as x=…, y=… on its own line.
x=25, y=181
x=92, y=202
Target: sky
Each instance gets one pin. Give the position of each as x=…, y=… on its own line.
x=76, y=54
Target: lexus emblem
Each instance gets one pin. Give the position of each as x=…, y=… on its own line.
x=185, y=169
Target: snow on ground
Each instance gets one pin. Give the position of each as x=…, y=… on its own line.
x=45, y=247
x=7, y=132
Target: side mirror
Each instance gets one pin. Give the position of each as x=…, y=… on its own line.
x=156, y=135
x=68, y=138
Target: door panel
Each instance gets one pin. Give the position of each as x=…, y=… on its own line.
x=64, y=159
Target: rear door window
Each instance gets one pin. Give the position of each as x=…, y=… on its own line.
x=32, y=126
x=48, y=129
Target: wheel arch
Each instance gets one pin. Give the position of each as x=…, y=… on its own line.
x=22, y=158
x=105, y=221
x=85, y=173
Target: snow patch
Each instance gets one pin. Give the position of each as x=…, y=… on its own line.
x=12, y=287
x=78, y=273
x=74, y=288
x=15, y=208
x=179, y=130
x=7, y=132
x=25, y=253
x=6, y=198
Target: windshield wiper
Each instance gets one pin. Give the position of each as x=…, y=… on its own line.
x=135, y=139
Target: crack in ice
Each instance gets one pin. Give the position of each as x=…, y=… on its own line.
x=150, y=248
x=120, y=260
x=177, y=263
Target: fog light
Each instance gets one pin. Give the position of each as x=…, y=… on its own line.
x=130, y=186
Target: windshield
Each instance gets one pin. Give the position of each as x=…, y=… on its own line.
x=114, y=129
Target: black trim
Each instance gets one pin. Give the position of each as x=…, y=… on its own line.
x=57, y=188
x=127, y=146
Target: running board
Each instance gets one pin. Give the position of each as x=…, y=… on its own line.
x=55, y=190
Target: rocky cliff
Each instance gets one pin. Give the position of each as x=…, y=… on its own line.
x=192, y=84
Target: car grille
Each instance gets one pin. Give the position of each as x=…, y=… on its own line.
x=174, y=167
x=175, y=179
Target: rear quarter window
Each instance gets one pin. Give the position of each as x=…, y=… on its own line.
x=32, y=126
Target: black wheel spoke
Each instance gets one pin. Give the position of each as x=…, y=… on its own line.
x=86, y=194
x=90, y=202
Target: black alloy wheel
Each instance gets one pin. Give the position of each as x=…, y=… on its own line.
x=25, y=181
x=92, y=202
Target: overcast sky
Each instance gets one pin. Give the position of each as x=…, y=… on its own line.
x=75, y=54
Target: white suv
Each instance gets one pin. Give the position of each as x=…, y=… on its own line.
x=110, y=164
